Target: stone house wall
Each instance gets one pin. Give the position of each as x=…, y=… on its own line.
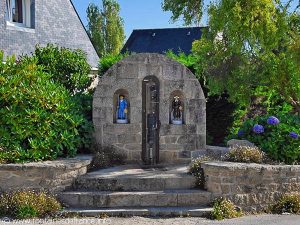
x=250, y=186
x=176, y=141
x=56, y=22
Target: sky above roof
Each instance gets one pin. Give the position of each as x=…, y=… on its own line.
x=141, y=14
x=137, y=14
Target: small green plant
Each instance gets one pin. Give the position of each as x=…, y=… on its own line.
x=245, y=154
x=197, y=171
x=28, y=204
x=225, y=209
x=25, y=212
x=288, y=203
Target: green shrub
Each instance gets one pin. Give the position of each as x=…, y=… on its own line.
x=225, y=209
x=265, y=101
x=189, y=60
x=70, y=68
x=197, y=171
x=278, y=137
x=245, y=154
x=84, y=105
x=38, y=117
x=106, y=157
x=288, y=203
x=66, y=66
x=28, y=204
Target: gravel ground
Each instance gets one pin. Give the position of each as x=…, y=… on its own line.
x=247, y=220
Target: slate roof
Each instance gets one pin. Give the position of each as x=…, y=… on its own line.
x=162, y=40
x=56, y=22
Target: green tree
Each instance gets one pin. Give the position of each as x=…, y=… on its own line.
x=106, y=27
x=250, y=44
x=190, y=10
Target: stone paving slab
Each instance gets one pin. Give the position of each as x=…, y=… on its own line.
x=166, y=198
x=135, y=178
x=137, y=171
x=152, y=212
x=133, y=184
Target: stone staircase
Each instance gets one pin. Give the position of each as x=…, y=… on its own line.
x=133, y=191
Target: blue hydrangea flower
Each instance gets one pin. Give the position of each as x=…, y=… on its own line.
x=272, y=120
x=258, y=129
x=294, y=135
x=240, y=133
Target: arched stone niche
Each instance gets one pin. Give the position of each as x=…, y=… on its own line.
x=116, y=97
x=176, y=93
x=167, y=78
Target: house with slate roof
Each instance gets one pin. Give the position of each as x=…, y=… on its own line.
x=162, y=40
x=26, y=23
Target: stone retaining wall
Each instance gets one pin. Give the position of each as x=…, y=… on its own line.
x=51, y=176
x=250, y=186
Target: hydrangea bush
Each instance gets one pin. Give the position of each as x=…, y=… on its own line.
x=278, y=136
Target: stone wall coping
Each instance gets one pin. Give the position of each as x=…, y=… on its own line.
x=245, y=166
x=61, y=163
x=219, y=148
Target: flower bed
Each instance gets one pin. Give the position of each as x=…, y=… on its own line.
x=277, y=136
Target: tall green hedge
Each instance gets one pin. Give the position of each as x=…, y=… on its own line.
x=38, y=118
x=70, y=68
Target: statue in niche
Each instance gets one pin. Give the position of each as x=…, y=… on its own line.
x=122, y=110
x=177, y=111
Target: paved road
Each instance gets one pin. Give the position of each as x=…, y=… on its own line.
x=247, y=220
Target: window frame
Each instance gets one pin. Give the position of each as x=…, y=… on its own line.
x=26, y=14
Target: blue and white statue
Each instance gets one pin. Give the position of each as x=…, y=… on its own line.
x=122, y=110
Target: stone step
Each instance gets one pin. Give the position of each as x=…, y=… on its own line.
x=148, y=212
x=135, y=178
x=86, y=183
x=106, y=199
